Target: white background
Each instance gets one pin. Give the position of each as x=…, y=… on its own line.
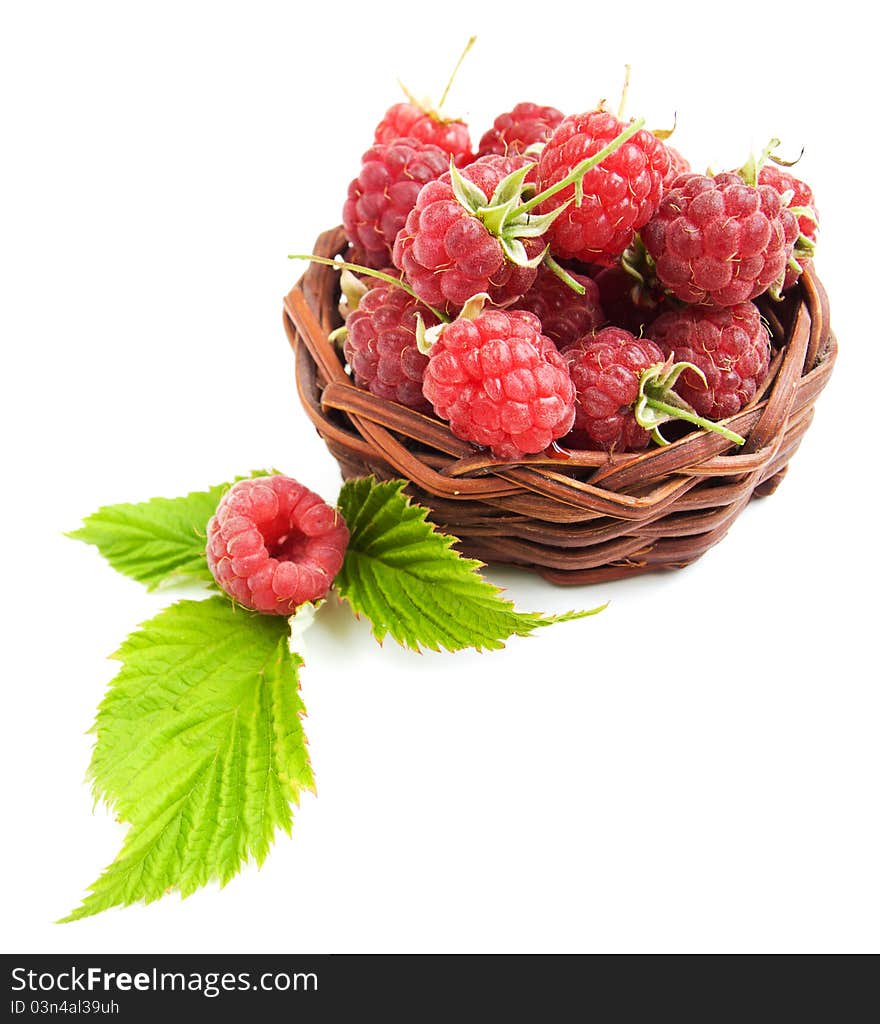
x=694, y=770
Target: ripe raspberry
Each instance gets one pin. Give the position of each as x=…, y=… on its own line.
x=808, y=226
x=606, y=369
x=384, y=192
x=565, y=316
x=446, y=252
x=718, y=241
x=500, y=383
x=619, y=195
x=380, y=346
x=273, y=544
x=678, y=164
x=515, y=131
x=407, y=120
x=731, y=346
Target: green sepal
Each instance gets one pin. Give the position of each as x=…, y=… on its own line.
x=474, y=306
x=515, y=251
x=657, y=403
x=496, y=218
x=752, y=167
x=426, y=336
x=511, y=187
x=469, y=195
x=656, y=383
x=805, y=211
x=353, y=290
x=786, y=163
x=533, y=225
x=337, y=337
x=666, y=133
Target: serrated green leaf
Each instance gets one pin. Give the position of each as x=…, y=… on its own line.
x=200, y=747
x=407, y=579
x=156, y=540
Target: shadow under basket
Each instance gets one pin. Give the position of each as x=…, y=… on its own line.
x=588, y=517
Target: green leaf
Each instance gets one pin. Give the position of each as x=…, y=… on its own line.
x=159, y=539
x=200, y=747
x=406, y=578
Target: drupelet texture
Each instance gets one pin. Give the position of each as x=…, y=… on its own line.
x=274, y=545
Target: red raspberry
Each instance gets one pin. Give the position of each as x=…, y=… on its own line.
x=719, y=241
x=731, y=346
x=565, y=316
x=515, y=131
x=448, y=255
x=620, y=194
x=380, y=346
x=406, y=120
x=273, y=544
x=678, y=164
x=802, y=196
x=384, y=192
x=500, y=383
x=606, y=369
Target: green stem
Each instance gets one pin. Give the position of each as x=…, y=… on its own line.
x=464, y=54
x=577, y=173
x=698, y=421
x=356, y=268
x=563, y=275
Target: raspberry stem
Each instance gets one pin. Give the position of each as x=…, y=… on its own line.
x=563, y=275
x=576, y=174
x=435, y=112
x=658, y=403
x=752, y=167
x=464, y=54
x=356, y=268
x=673, y=412
x=623, y=92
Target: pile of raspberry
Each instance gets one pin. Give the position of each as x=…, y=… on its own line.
x=530, y=308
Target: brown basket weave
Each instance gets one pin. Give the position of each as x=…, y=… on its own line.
x=589, y=517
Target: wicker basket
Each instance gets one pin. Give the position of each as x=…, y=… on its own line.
x=588, y=517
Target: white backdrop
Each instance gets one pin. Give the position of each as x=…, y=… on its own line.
x=694, y=770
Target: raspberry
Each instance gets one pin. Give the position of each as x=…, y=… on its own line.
x=731, y=346
x=678, y=164
x=273, y=544
x=565, y=316
x=407, y=120
x=515, y=131
x=619, y=195
x=380, y=346
x=719, y=241
x=802, y=197
x=500, y=383
x=384, y=192
x=446, y=252
x=606, y=369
